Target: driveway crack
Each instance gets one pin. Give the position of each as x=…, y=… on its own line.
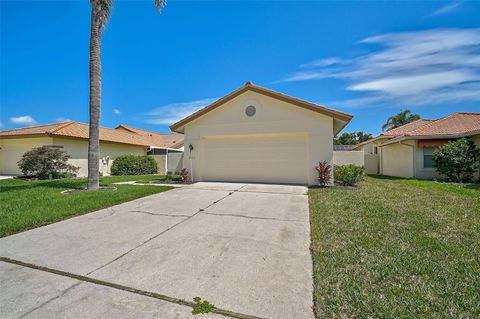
x=63, y=293
x=155, y=214
x=255, y=217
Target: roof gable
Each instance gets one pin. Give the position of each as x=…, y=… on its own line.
x=270, y=93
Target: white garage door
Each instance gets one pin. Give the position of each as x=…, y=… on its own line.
x=278, y=159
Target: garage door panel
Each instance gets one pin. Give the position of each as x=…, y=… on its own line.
x=255, y=159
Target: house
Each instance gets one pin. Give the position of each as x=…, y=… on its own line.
x=72, y=137
x=406, y=151
x=254, y=134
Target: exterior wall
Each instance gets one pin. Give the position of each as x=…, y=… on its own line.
x=397, y=159
x=174, y=162
x=78, y=150
x=12, y=150
x=161, y=163
x=348, y=157
x=272, y=117
x=371, y=163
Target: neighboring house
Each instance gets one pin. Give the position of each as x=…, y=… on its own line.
x=406, y=151
x=258, y=135
x=72, y=137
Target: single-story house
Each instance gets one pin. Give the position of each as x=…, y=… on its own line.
x=254, y=134
x=406, y=151
x=72, y=137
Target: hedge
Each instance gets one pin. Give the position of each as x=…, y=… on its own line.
x=134, y=165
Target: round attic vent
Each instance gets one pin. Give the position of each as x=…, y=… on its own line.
x=250, y=110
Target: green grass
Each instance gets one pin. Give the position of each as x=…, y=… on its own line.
x=30, y=204
x=396, y=248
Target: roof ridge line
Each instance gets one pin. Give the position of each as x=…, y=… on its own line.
x=60, y=127
x=26, y=127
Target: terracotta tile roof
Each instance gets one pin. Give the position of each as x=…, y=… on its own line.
x=166, y=140
x=406, y=128
x=32, y=130
x=130, y=135
x=456, y=123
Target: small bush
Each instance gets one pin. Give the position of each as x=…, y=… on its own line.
x=184, y=175
x=134, y=165
x=457, y=160
x=324, y=173
x=202, y=306
x=45, y=160
x=348, y=175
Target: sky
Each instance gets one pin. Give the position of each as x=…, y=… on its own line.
x=369, y=59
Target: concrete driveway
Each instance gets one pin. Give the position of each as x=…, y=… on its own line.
x=242, y=247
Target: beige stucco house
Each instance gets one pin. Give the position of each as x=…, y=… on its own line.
x=258, y=135
x=406, y=151
x=72, y=137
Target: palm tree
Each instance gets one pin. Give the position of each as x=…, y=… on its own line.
x=99, y=18
x=402, y=118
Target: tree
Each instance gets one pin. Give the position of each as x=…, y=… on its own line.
x=99, y=17
x=45, y=160
x=399, y=119
x=352, y=138
x=457, y=160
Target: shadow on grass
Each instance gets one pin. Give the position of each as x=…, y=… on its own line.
x=20, y=185
x=388, y=177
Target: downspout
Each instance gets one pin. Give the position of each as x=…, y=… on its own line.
x=413, y=155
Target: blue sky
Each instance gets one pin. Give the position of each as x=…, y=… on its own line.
x=369, y=59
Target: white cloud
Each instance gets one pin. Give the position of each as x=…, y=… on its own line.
x=1, y=124
x=449, y=7
x=414, y=84
x=171, y=113
x=25, y=120
x=116, y=111
x=322, y=62
x=62, y=119
x=408, y=67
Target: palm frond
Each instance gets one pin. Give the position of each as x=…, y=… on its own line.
x=105, y=11
x=160, y=4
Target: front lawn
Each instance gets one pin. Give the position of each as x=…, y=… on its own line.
x=30, y=204
x=396, y=248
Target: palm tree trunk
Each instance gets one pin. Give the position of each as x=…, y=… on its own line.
x=95, y=96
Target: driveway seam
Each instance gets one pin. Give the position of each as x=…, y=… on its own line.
x=244, y=191
x=150, y=294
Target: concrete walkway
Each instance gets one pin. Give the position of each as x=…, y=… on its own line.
x=242, y=247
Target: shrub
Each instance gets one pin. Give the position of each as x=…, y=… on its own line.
x=348, y=175
x=45, y=160
x=457, y=160
x=324, y=173
x=134, y=165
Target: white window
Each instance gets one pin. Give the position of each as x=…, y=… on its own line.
x=427, y=157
